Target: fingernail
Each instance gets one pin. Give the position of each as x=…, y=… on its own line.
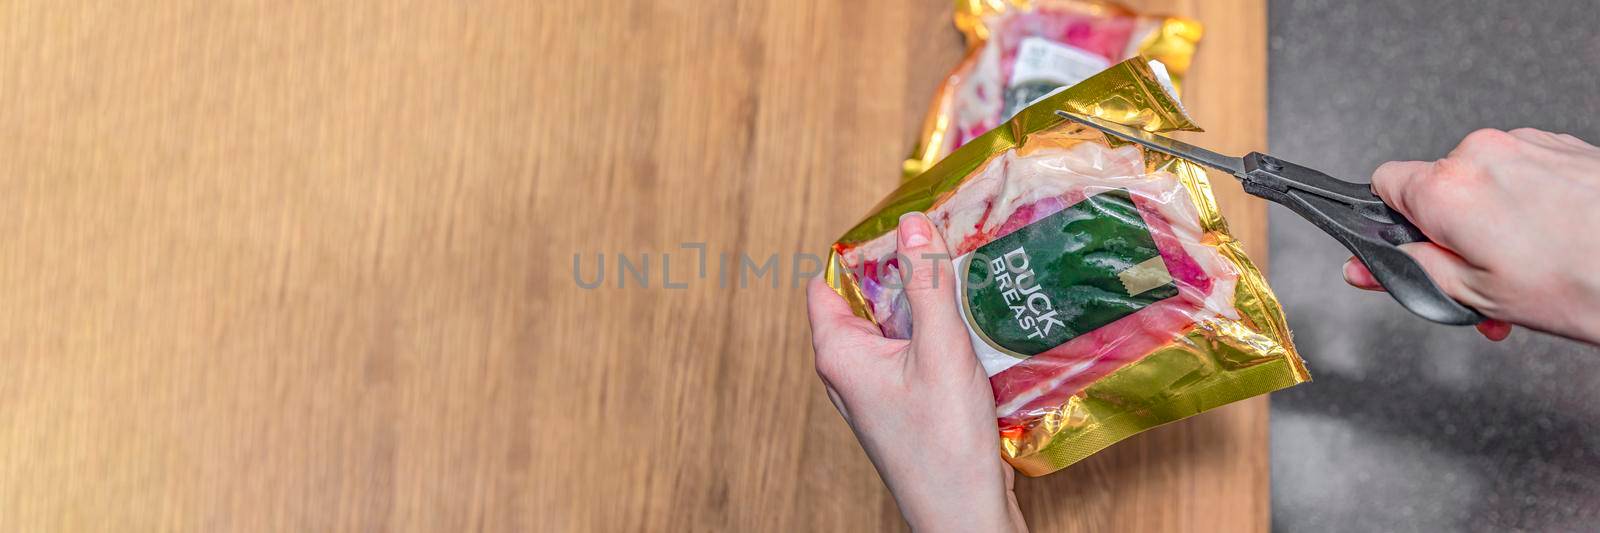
x=914, y=230
x=1355, y=274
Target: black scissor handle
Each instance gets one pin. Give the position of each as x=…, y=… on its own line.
x=1369, y=228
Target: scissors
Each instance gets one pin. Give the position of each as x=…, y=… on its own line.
x=1349, y=212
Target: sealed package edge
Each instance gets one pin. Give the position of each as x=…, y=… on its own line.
x=1019, y=50
x=1098, y=281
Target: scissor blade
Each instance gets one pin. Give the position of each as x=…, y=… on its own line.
x=1231, y=165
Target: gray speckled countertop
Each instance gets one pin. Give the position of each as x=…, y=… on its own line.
x=1411, y=426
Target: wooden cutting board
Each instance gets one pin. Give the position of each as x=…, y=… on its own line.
x=308, y=266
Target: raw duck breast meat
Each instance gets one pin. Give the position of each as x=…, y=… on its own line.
x=1056, y=45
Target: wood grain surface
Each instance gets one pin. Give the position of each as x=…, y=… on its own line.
x=308, y=265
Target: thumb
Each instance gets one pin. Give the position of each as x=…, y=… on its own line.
x=930, y=286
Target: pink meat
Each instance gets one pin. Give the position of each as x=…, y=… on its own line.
x=1044, y=382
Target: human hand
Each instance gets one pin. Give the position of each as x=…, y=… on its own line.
x=921, y=408
x=1515, y=222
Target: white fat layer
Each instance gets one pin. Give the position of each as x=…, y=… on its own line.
x=979, y=100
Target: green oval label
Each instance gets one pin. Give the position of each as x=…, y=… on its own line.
x=1064, y=275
